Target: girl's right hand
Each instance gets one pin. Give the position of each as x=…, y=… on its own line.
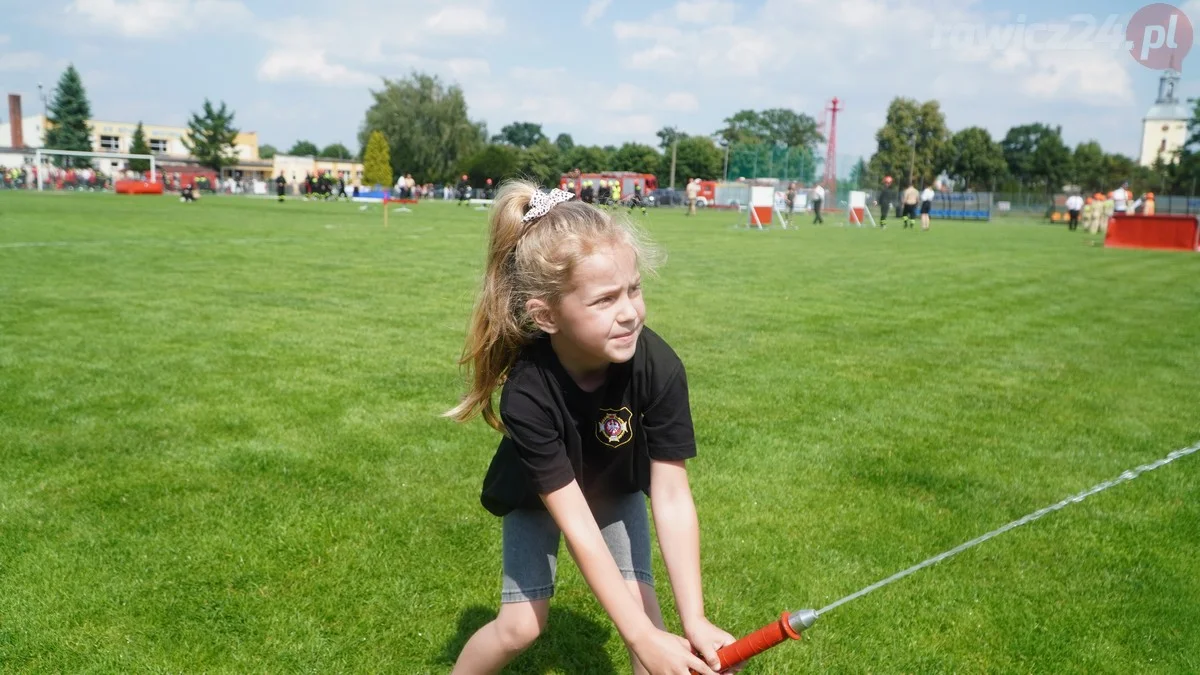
x=662, y=653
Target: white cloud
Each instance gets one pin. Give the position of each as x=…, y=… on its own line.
x=359, y=42
x=1081, y=76
x=702, y=59
x=705, y=11
x=1192, y=9
x=464, y=20
x=4, y=39
x=655, y=58
x=595, y=10
x=160, y=19
x=283, y=66
x=19, y=61
x=526, y=74
x=463, y=68
x=648, y=31
x=623, y=98
x=680, y=101
x=553, y=109
x=630, y=126
x=756, y=47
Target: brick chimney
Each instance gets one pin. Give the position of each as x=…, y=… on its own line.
x=14, y=118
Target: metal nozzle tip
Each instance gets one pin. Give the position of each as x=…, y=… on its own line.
x=802, y=619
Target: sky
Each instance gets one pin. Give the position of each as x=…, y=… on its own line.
x=604, y=71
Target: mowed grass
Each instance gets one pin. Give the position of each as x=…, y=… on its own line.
x=220, y=448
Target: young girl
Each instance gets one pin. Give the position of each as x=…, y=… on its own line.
x=594, y=412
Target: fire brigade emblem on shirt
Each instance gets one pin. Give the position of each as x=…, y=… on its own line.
x=615, y=427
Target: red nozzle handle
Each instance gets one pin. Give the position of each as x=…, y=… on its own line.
x=757, y=642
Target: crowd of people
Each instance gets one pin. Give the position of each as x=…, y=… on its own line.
x=905, y=204
x=1093, y=212
x=25, y=177
x=816, y=198
x=320, y=186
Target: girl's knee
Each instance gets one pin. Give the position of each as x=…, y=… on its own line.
x=519, y=625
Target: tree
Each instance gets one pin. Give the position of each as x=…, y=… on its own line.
x=738, y=128
x=377, y=161
x=589, y=158
x=1019, y=145
x=1037, y=156
x=564, y=143
x=1088, y=165
x=267, y=151
x=1183, y=174
x=210, y=137
x=139, y=146
x=774, y=126
x=337, y=151
x=69, y=112
x=695, y=157
x=542, y=163
x=1052, y=161
x=520, y=134
x=972, y=159
x=1117, y=169
x=426, y=126
x=667, y=136
x=304, y=149
x=497, y=161
x=858, y=174
x=636, y=157
x=912, y=139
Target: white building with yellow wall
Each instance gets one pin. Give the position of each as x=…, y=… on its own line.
x=166, y=144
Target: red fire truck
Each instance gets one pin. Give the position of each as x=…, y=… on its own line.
x=573, y=182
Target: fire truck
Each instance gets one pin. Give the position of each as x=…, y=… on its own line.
x=628, y=180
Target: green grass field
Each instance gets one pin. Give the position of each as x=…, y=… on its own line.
x=220, y=448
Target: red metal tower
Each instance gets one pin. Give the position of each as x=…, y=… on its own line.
x=830, y=178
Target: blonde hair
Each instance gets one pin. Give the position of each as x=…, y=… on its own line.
x=525, y=261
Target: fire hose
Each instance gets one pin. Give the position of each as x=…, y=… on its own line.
x=791, y=626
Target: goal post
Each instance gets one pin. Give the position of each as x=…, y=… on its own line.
x=40, y=152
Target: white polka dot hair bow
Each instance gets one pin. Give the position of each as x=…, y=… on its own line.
x=540, y=203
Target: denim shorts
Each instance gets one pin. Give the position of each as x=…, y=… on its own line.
x=531, y=539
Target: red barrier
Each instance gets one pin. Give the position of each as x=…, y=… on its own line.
x=138, y=187
x=1168, y=232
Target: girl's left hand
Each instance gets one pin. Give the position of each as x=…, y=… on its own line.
x=706, y=639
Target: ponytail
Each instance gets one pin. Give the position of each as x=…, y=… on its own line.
x=499, y=326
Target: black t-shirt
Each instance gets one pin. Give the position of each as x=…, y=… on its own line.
x=603, y=439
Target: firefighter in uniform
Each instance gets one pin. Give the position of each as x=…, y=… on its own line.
x=887, y=199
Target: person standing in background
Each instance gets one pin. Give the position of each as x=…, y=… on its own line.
x=693, y=191
x=910, y=198
x=790, y=197
x=1120, y=198
x=1074, y=206
x=926, y=206
x=887, y=197
x=818, y=198
x=464, y=190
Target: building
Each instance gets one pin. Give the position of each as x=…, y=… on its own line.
x=166, y=144
x=295, y=167
x=1164, y=128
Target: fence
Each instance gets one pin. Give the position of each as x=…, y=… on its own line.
x=945, y=205
x=768, y=160
x=1180, y=205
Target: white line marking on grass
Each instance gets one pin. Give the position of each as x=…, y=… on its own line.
x=1075, y=499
